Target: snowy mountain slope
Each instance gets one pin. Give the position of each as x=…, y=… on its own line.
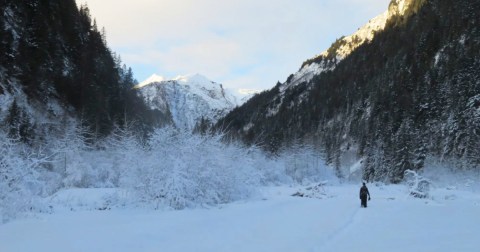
x=396, y=102
x=328, y=59
x=188, y=99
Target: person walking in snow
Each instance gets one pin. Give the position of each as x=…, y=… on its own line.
x=363, y=195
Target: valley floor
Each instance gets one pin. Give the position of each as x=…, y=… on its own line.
x=276, y=221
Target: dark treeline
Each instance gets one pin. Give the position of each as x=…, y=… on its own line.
x=53, y=50
x=410, y=94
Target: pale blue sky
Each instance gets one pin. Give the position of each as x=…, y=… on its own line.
x=241, y=43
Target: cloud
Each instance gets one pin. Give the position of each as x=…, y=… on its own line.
x=243, y=44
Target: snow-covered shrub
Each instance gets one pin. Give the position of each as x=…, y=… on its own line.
x=272, y=169
x=419, y=186
x=19, y=183
x=69, y=151
x=85, y=166
x=304, y=164
x=180, y=169
x=121, y=152
x=172, y=169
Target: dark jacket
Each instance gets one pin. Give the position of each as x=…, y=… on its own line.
x=364, y=192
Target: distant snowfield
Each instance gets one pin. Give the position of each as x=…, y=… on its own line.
x=274, y=221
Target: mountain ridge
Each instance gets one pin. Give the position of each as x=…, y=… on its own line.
x=342, y=47
x=406, y=98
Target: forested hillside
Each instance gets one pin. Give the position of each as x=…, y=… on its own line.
x=410, y=96
x=63, y=94
x=55, y=63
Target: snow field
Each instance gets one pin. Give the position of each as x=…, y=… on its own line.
x=274, y=221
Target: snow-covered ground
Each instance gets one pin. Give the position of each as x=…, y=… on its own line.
x=330, y=220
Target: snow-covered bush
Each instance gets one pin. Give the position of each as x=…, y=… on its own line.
x=181, y=170
x=272, y=169
x=178, y=169
x=83, y=165
x=419, y=186
x=170, y=169
x=121, y=152
x=69, y=151
x=303, y=164
x=19, y=183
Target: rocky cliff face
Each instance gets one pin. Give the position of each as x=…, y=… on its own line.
x=189, y=100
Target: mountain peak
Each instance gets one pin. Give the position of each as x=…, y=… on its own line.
x=189, y=79
x=402, y=7
x=152, y=79
x=192, y=78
